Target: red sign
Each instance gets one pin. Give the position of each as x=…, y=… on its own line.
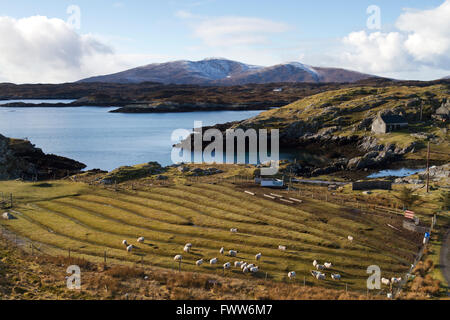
x=409, y=214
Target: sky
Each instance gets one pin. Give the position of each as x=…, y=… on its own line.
x=54, y=41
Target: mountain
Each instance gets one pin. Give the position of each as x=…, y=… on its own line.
x=217, y=71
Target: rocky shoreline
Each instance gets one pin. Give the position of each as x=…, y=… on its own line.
x=19, y=159
x=172, y=107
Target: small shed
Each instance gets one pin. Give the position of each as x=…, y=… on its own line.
x=388, y=123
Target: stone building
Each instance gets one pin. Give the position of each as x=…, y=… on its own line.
x=443, y=113
x=388, y=123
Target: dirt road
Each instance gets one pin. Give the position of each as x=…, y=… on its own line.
x=445, y=257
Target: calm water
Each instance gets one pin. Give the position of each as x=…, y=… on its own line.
x=105, y=140
x=404, y=172
x=34, y=101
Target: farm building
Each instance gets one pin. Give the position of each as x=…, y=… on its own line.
x=388, y=123
x=443, y=113
x=372, y=185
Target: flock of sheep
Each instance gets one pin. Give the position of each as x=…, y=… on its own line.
x=252, y=268
x=244, y=266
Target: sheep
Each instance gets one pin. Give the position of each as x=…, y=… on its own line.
x=250, y=266
x=243, y=265
x=389, y=295
x=233, y=230
x=178, y=257
x=258, y=256
x=199, y=262
x=141, y=239
x=213, y=261
x=320, y=267
x=328, y=265
x=385, y=281
x=227, y=265
x=291, y=275
x=189, y=245
x=237, y=264
x=245, y=270
x=254, y=270
x=320, y=276
x=314, y=273
x=336, y=276
x=315, y=263
x=395, y=280
x=129, y=248
x=350, y=238
x=232, y=253
x=125, y=243
x=222, y=250
x=282, y=248
x=187, y=249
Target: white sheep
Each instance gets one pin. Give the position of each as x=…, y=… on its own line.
x=396, y=280
x=222, y=250
x=178, y=257
x=385, y=281
x=187, y=249
x=232, y=253
x=350, y=238
x=245, y=270
x=233, y=230
x=258, y=256
x=237, y=264
x=389, y=295
x=254, y=270
x=336, y=276
x=315, y=263
x=125, y=243
x=199, y=262
x=320, y=267
x=243, y=265
x=291, y=275
x=129, y=248
x=250, y=266
x=227, y=265
x=282, y=248
x=213, y=261
x=320, y=276
x=328, y=265
x=188, y=245
x=141, y=239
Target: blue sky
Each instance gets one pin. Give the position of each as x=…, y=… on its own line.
x=320, y=33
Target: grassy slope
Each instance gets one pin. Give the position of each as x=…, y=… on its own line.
x=348, y=102
x=91, y=220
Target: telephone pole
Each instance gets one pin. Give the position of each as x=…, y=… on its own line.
x=428, y=168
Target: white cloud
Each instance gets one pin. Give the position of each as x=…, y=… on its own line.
x=40, y=49
x=421, y=41
x=229, y=31
x=246, y=39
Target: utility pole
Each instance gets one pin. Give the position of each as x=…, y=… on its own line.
x=428, y=168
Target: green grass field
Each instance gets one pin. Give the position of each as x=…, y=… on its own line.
x=91, y=220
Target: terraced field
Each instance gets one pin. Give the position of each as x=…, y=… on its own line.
x=91, y=220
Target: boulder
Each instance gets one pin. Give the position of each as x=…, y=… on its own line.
x=7, y=216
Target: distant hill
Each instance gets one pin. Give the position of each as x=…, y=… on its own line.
x=215, y=71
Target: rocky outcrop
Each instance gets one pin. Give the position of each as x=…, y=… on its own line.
x=19, y=159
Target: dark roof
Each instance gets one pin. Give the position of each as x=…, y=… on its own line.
x=394, y=119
